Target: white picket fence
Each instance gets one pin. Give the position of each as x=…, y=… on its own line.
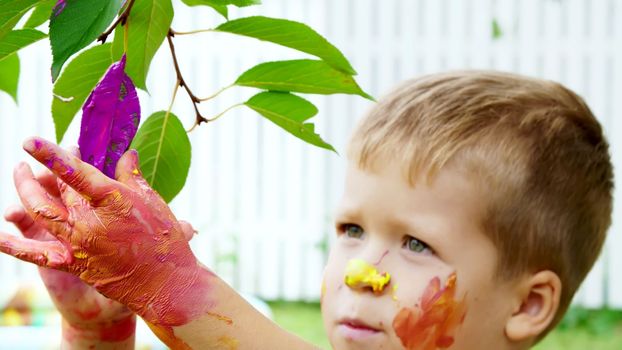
x=261, y=199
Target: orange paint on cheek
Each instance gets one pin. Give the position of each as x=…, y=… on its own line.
x=430, y=326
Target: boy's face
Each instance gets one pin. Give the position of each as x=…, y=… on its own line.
x=441, y=292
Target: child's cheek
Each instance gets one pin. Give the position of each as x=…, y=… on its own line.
x=430, y=323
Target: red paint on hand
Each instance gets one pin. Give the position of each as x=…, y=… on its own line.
x=118, y=236
x=430, y=326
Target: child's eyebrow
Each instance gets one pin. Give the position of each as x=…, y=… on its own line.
x=348, y=213
x=411, y=227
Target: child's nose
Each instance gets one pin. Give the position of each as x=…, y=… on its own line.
x=362, y=276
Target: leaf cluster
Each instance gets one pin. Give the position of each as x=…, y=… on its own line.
x=140, y=27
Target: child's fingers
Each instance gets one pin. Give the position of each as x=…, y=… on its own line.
x=52, y=254
x=69, y=196
x=48, y=181
x=128, y=172
x=84, y=178
x=75, y=151
x=15, y=213
x=187, y=229
x=18, y=216
x=34, y=197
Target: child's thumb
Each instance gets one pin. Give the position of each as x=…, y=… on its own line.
x=128, y=172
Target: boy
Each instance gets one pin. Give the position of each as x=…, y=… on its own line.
x=475, y=204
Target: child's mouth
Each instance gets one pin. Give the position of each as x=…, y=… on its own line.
x=355, y=329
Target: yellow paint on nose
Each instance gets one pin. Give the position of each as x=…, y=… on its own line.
x=360, y=274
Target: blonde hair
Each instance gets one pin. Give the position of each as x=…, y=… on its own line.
x=534, y=144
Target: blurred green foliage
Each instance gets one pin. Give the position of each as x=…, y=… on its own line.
x=580, y=329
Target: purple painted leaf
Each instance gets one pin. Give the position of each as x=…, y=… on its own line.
x=59, y=7
x=110, y=118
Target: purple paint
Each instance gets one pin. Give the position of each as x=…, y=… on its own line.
x=59, y=7
x=110, y=118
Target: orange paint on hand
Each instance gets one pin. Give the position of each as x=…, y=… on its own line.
x=220, y=317
x=228, y=343
x=167, y=335
x=431, y=325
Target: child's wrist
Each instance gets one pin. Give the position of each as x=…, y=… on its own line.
x=114, y=335
x=179, y=296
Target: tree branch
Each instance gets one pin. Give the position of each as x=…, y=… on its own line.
x=121, y=19
x=195, y=100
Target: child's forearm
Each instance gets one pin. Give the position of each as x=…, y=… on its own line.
x=118, y=335
x=228, y=323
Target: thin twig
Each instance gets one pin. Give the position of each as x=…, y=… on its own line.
x=216, y=93
x=225, y=111
x=121, y=19
x=193, y=31
x=195, y=100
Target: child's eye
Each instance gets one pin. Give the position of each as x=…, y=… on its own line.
x=415, y=245
x=352, y=230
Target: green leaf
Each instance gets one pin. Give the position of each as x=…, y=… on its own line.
x=290, y=113
x=238, y=3
x=291, y=34
x=149, y=23
x=9, y=75
x=165, y=153
x=41, y=14
x=306, y=76
x=76, y=26
x=18, y=39
x=11, y=11
x=222, y=9
x=78, y=79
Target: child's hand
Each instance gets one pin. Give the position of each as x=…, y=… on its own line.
x=80, y=305
x=118, y=236
x=88, y=317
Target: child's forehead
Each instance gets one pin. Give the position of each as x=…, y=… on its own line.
x=399, y=169
x=386, y=190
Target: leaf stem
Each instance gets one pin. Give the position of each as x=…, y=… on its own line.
x=126, y=29
x=170, y=106
x=162, y=133
x=63, y=99
x=122, y=18
x=216, y=94
x=180, y=79
x=225, y=111
x=193, y=31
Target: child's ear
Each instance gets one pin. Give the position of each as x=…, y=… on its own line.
x=536, y=306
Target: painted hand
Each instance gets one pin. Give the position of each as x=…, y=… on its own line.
x=80, y=305
x=117, y=236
